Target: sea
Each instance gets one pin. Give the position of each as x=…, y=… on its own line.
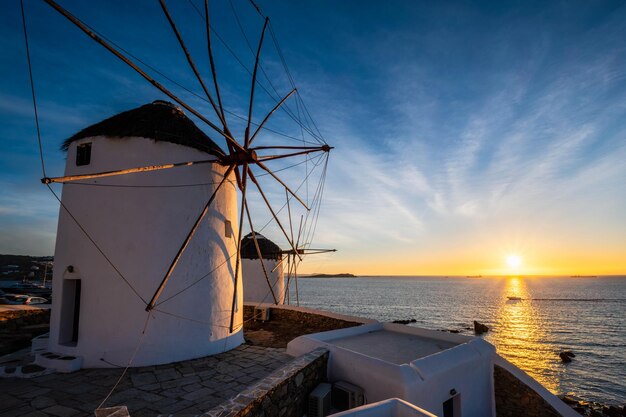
x=584, y=315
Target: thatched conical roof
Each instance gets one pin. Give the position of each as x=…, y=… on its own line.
x=269, y=249
x=159, y=121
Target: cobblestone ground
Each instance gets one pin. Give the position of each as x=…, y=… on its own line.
x=182, y=388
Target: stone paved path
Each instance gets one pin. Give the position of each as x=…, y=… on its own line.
x=182, y=388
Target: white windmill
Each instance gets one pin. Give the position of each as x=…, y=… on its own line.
x=147, y=272
x=263, y=281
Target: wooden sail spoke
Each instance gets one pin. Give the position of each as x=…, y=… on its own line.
x=182, y=248
x=141, y=72
x=220, y=114
x=260, y=126
x=269, y=206
x=301, y=148
x=244, y=180
x=282, y=260
x=316, y=251
x=295, y=265
x=148, y=168
x=238, y=178
x=288, y=281
x=266, y=158
x=262, y=165
x=295, y=275
x=289, y=211
x=256, y=67
x=259, y=254
x=212, y=62
x=299, y=233
x=307, y=251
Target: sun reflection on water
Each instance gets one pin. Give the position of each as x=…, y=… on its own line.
x=519, y=334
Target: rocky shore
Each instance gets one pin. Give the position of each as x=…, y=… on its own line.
x=593, y=409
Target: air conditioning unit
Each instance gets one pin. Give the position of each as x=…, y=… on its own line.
x=346, y=396
x=262, y=313
x=319, y=401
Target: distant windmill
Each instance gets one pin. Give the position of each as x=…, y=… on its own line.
x=238, y=160
x=294, y=257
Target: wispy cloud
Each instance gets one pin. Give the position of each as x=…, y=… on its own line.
x=508, y=124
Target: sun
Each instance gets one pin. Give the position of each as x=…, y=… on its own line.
x=514, y=261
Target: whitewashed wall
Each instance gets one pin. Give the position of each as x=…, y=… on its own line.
x=255, y=288
x=140, y=231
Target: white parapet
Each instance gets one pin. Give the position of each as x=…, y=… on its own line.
x=429, y=369
x=393, y=407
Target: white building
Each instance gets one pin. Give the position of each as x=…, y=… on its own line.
x=256, y=288
x=118, y=235
x=442, y=373
x=406, y=371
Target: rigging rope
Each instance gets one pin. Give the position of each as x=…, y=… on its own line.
x=243, y=32
x=286, y=67
x=130, y=361
x=195, y=282
x=43, y=164
x=309, y=236
x=318, y=162
x=283, y=108
x=32, y=89
x=95, y=244
x=309, y=241
x=187, y=89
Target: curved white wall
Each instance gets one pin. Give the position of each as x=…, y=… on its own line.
x=140, y=229
x=255, y=288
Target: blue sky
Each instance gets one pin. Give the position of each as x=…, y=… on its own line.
x=464, y=131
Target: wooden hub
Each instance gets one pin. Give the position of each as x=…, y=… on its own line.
x=241, y=157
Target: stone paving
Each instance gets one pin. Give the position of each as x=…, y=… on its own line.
x=183, y=388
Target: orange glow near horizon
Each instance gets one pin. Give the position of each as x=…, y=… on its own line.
x=498, y=262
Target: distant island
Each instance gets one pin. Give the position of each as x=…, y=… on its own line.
x=342, y=275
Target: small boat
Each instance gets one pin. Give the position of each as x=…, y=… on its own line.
x=512, y=298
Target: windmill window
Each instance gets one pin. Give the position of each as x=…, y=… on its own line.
x=228, y=228
x=83, y=154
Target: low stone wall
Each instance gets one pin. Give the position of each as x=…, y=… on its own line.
x=285, y=324
x=283, y=393
x=516, y=399
x=18, y=327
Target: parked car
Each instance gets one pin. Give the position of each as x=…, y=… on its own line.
x=21, y=299
x=36, y=300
